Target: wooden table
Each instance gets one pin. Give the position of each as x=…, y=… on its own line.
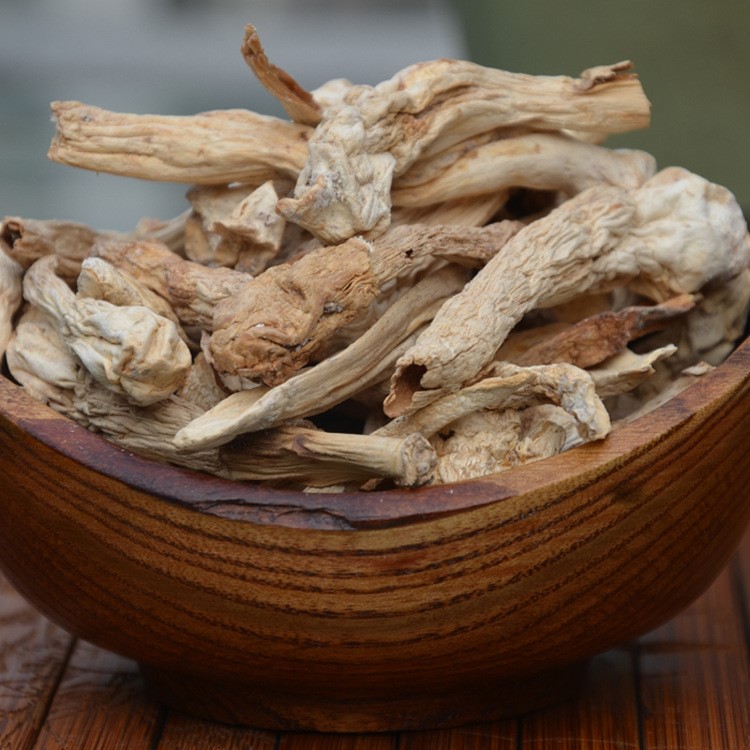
x=685, y=686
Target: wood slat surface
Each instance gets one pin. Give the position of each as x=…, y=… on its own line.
x=684, y=686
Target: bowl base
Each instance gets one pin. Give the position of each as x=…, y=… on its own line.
x=257, y=707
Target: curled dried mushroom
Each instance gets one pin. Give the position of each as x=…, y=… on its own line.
x=442, y=276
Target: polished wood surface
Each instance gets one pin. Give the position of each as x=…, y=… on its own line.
x=383, y=611
x=683, y=686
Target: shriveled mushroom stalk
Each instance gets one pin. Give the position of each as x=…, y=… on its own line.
x=271, y=327
x=317, y=389
x=674, y=235
x=192, y=290
x=376, y=133
x=211, y=148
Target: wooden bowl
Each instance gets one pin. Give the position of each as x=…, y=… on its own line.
x=382, y=611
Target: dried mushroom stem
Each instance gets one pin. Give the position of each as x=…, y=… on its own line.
x=130, y=350
x=594, y=339
x=210, y=148
x=376, y=133
x=333, y=380
x=27, y=240
x=542, y=161
x=510, y=386
x=191, y=289
x=298, y=102
x=673, y=235
x=626, y=370
x=318, y=458
x=274, y=324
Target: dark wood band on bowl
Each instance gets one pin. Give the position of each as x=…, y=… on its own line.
x=380, y=611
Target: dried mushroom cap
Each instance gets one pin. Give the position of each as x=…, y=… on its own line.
x=38, y=359
x=675, y=234
x=376, y=133
x=487, y=442
x=130, y=350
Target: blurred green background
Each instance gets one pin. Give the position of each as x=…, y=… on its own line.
x=693, y=58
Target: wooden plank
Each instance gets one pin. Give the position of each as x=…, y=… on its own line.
x=498, y=735
x=33, y=653
x=603, y=715
x=100, y=705
x=694, y=684
x=305, y=741
x=185, y=733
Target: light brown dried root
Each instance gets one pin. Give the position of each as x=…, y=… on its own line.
x=674, y=235
x=333, y=380
x=130, y=350
x=295, y=452
x=274, y=324
x=378, y=132
x=191, y=289
x=298, y=102
x=542, y=161
x=594, y=339
x=210, y=148
x=465, y=212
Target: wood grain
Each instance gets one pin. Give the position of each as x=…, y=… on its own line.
x=33, y=653
x=695, y=689
x=185, y=733
x=99, y=703
x=603, y=715
x=403, y=611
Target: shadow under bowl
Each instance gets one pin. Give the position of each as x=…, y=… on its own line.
x=392, y=610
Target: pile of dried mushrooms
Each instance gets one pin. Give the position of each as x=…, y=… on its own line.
x=428, y=280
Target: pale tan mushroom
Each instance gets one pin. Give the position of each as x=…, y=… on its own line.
x=192, y=290
x=130, y=350
x=376, y=133
x=210, y=148
x=314, y=390
x=674, y=235
x=272, y=326
x=542, y=161
x=38, y=360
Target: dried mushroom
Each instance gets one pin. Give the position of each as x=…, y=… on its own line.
x=436, y=278
x=130, y=350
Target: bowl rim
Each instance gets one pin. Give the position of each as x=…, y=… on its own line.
x=248, y=502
